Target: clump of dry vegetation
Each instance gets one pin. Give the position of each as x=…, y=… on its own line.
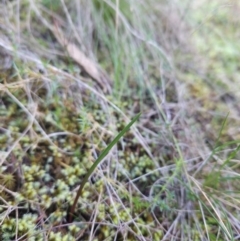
x=73, y=73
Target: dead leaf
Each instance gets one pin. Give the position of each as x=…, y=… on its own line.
x=80, y=58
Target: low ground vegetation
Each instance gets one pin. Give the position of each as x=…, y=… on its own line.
x=73, y=74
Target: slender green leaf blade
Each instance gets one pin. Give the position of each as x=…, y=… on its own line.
x=99, y=159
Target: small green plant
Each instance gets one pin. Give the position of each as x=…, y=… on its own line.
x=7, y=180
x=96, y=163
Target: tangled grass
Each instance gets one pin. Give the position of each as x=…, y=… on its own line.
x=73, y=73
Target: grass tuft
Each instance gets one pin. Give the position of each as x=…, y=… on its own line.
x=73, y=73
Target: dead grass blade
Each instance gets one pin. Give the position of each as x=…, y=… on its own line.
x=80, y=58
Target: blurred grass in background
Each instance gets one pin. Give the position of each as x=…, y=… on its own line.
x=73, y=73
